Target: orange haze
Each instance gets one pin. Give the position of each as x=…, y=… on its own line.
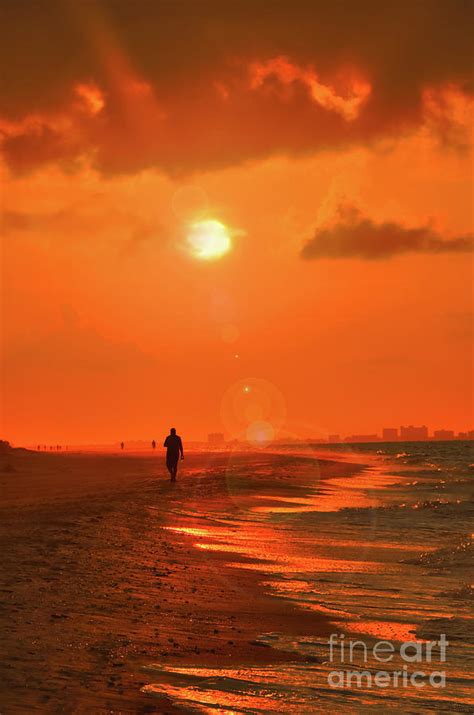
x=344, y=180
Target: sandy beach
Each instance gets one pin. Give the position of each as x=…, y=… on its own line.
x=124, y=593
x=92, y=587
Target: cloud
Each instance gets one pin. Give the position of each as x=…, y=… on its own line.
x=82, y=220
x=185, y=86
x=353, y=235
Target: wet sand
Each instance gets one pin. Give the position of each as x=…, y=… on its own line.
x=93, y=588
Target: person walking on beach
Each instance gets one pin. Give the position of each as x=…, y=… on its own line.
x=174, y=448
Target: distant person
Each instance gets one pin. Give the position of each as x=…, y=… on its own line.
x=174, y=448
x=153, y=445
x=122, y=445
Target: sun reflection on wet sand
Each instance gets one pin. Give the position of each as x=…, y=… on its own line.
x=230, y=691
x=386, y=630
x=332, y=495
x=295, y=688
x=209, y=699
x=313, y=566
x=340, y=547
x=192, y=531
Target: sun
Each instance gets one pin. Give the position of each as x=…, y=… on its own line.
x=208, y=240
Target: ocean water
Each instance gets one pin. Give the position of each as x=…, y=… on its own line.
x=385, y=554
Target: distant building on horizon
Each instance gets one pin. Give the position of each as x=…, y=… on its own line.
x=389, y=434
x=412, y=434
x=443, y=434
x=362, y=438
x=216, y=439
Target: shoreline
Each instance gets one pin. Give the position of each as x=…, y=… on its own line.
x=94, y=589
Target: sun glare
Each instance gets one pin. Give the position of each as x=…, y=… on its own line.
x=208, y=240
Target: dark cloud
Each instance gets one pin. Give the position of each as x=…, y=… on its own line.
x=37, y=145
x=194, y=56
x=355, y=236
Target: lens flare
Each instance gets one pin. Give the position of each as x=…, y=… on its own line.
x=250, y=406
x=208, y=240
x=260, y=433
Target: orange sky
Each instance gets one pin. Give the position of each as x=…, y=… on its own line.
x=343, y=169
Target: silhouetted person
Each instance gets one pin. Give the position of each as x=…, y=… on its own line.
x=122, y=445
x=153, y=445
x=174, y=448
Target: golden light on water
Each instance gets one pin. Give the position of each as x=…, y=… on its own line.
x=208, y=240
